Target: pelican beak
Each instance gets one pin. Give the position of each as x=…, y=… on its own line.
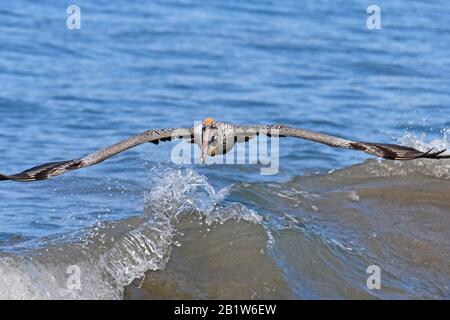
x=205, y=140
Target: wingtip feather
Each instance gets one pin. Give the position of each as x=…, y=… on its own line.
x=44, y=171
x=397, y=152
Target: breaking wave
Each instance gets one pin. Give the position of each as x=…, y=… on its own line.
x=111, y=255
x=312, y=236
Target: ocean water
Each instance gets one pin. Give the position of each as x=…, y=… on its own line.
x=140, y=227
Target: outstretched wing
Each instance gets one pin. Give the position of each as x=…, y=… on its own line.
x=383, y=150
x=52, y=169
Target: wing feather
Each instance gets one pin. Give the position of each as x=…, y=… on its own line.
x=52, y=169
x=382, y=150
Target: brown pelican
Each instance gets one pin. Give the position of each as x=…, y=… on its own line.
x=216, y=138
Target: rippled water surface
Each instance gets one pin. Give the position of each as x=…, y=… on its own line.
x=139, y=226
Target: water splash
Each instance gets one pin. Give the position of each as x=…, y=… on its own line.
x=418, y=142
x=111, y=255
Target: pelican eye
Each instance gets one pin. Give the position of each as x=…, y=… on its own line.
x=213, y=139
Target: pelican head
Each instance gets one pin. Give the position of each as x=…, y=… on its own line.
x=209, y=138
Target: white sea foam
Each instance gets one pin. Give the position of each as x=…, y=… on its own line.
x=110, y=256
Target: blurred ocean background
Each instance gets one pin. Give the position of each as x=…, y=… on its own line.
x=140, y=227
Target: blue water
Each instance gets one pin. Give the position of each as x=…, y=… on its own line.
x=136, y=65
